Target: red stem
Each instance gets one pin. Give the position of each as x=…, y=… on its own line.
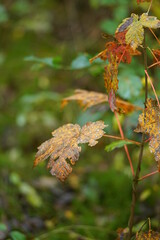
x=153, y=88
x=148, y=175
x=125, y=146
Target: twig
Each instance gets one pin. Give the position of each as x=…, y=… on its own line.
x=153, y=88
x=125, y=146
x=154, y=35
x=152, y=54
x=154, y=64
x=148, y=175
x=150, y=6
x=119, y=138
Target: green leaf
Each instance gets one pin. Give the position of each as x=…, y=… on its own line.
x=3, y=14
x=129, y=85
x=108, y=26
x=116, y=144
x=3, y=227
x=51, y=62
x=82, y=61
x=15, y=235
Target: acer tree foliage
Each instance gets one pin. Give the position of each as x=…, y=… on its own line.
x=63, y=148
x=65, y=145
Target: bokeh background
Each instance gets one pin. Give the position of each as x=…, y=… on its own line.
x=45, y=46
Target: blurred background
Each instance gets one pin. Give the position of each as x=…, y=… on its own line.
x=45, y=46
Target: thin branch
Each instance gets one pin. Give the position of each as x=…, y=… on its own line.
x=154, y=64
x=150, y=6
x=152, y=54
x=125, y=146
x=147, y=140
x=153, y=88
x=122, y=56
x=119, y=138
x=154, y=35
x=148, y=175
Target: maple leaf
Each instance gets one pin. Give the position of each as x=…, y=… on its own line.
x=65, y=145
x=149, y=21
x=111, y=82
x=87, y=99
x=149, y=123
x=156, y=53
x=151, y=235
x=117, y=49
x=135, y=28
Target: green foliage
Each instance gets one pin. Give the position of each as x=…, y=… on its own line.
x=3, y=14
x=130, y=85
x=116, y=144
x=15, y=235
x=82, y=61
x=51, y=62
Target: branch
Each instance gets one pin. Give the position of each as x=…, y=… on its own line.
x=135, y=179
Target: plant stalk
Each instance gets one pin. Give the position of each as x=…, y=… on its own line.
x=136, y=178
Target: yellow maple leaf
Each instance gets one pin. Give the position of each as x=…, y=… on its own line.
x=149, y=21
x=135, y=35
x=135, y=28
x=150, y=235
x=149, y=123
x=65, y=145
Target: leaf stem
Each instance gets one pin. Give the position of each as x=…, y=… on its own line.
x=150, y=6
x=125, y=146
x=136, y=178
x=154, y=35
x=148, y=175
x=120, y=138
x=154, y=64
x=153, y=88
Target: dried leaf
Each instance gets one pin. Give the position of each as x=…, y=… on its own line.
x=151, y=235
x=156, y=53
x=111, y=82
x=117, y=49
x=65, y=145
x=149, y=123
x=87, y=99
